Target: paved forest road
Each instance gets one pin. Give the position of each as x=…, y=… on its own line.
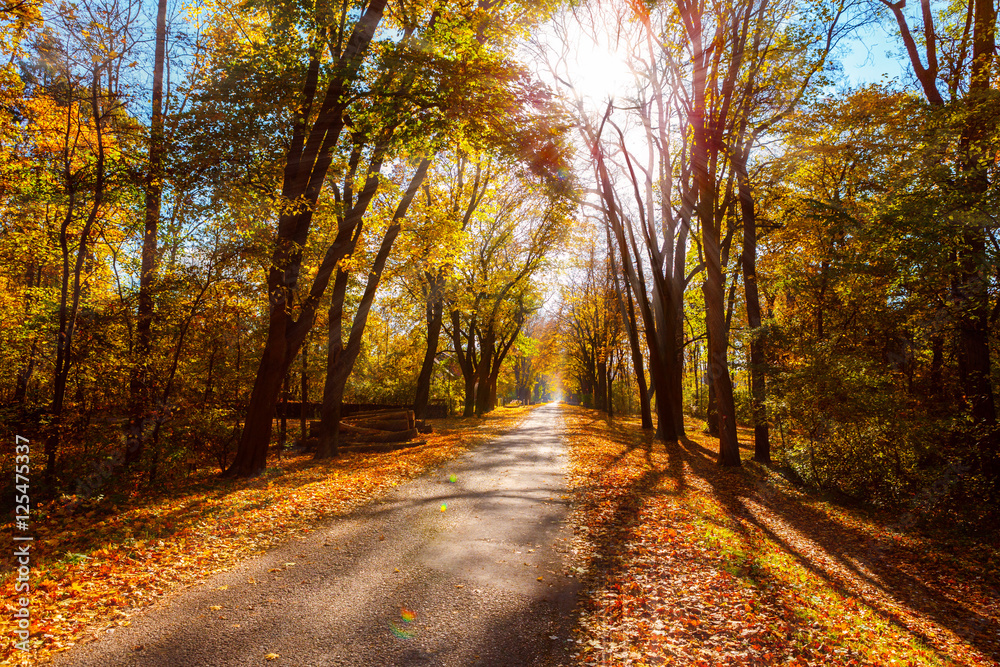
x=469, y=575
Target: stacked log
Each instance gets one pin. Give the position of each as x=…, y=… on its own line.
x=378, y=427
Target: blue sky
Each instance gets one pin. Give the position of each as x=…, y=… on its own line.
x=872, y=55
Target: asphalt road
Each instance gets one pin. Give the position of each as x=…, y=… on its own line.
x=399, y=582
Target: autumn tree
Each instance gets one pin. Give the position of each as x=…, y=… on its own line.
x=360, y=67
x=955, y=50
x=434, y=243
x=517, y=227
x=592, y=330
x=80, y=69
x=139, y=381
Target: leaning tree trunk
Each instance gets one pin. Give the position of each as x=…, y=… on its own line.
x=309, y=157
x=341, y=358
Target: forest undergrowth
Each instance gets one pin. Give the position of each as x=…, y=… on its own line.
x=95, y=564
x=684, y=562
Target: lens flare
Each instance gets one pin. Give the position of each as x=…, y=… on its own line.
x=444, y=507
x=402, y=630
x=453, y=479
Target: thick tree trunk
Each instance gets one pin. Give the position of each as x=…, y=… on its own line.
x=251, y=456
x=469, y=407
x=712, y=410
x=329, y=434
x=483, y=374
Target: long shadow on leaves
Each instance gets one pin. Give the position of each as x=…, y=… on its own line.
x=859, y=560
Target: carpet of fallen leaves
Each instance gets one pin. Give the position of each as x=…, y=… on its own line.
x=687, y=563
x=93, y=566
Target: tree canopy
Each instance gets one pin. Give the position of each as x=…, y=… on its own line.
x=218, y=216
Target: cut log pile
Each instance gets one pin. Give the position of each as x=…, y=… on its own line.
x=378, y=430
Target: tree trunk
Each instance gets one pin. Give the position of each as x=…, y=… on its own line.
x=611, y=406
x=712, y=410
x=713, y=288
x=469, y=407
x=283, y=425
x=434, y=314
x=304, y=393
x=340, y=358
x=139, y=390
x=69, y=300
x=758, y=379
x=637, y=365
x=601, y=395
x=307, y=162
x=483, y=374
x=24, y=377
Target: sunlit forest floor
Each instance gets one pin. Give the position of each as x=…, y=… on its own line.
x=684, y=562
x=96, y=564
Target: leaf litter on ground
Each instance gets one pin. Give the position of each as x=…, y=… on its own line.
x=94, y=566
x=687, y=563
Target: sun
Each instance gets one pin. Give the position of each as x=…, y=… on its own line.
x=587, y=54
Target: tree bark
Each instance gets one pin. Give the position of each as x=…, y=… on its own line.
x=434, y=316
x=139, y=390
x=758, y=379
